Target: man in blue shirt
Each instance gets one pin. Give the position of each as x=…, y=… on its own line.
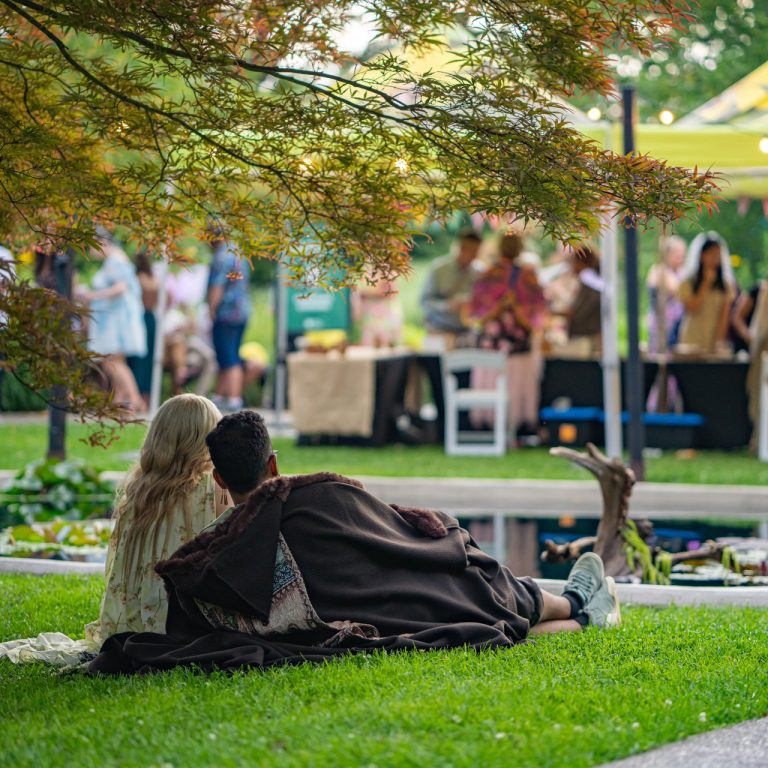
x=229, y=304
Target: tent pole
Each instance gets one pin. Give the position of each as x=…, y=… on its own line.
x=761, y=428
x=610, y=331
x=634, y=363
x=281, y=344
x=161, y=271
x=63, y=269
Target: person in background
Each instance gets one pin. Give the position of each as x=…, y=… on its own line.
x=229, y=304
x=141, y=367
x=45, y=276
x=189, y=353
x=377, y=307
x=168, y=497
x=509, y=308
x=116, y=326
x=665, y=311
x=448, y=289
x=707, y=294
x=750, y=321
x=742, y=314
x=583, y=317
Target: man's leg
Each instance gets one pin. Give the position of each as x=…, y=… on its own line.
x=588, y=598
x=556, y=616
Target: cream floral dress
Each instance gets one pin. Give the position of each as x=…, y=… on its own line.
x=135, y=598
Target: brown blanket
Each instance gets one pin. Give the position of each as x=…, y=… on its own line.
x=312, y=566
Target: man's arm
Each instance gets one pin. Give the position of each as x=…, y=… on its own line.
x=431, y=301
x=741, y=311
x=215, y=295
x=216, y=281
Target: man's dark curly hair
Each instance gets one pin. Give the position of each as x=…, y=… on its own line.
x=240, y=448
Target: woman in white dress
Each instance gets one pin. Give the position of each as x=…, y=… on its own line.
x=168, y=498
x=116, y=328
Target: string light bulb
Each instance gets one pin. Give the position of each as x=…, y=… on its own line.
x=594, y=114
x=666, y=117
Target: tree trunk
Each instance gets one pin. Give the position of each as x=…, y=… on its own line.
x=63, y=267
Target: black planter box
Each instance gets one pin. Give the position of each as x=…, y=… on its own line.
x=573, y=426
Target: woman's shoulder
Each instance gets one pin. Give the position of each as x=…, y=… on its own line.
x=204, y=492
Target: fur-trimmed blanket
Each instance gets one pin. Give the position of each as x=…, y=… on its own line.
x=313, y=565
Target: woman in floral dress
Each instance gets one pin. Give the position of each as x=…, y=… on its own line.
x=168, y=498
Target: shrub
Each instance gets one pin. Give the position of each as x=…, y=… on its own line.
x=52, y=489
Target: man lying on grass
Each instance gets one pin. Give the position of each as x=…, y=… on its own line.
x=309, y=566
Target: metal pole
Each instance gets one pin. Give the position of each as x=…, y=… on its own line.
x=610, y=332
x=634, y=363
x=281, y=344
x=161, y=270
x=63, y=263
x=762, y=428
x=762, y=420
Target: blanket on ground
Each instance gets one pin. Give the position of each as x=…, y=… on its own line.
x=313, y=566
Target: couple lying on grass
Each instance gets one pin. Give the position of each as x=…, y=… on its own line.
x=300, y=568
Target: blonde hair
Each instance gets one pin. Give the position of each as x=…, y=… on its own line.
x=173, y=460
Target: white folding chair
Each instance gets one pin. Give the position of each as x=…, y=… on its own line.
x=475, y=443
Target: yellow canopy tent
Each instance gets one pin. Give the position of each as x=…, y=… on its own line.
x=744, y=104
x=731, y=150
x=724, y=134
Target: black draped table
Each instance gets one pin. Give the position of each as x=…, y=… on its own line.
x=713, y=388
x=717, y=389
x=359, y=397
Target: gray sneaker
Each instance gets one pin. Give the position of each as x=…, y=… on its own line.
x=603, y=609
x=586, y=578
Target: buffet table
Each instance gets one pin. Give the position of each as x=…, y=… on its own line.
x=357, y=397
x=353, y=396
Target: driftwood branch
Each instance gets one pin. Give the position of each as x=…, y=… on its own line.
x=616, y=483
x=562, y=553
x=711, y=550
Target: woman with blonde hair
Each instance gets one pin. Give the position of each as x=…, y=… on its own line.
x=168, y=498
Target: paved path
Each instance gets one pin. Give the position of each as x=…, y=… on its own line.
x=576, y=498
x=744, y=745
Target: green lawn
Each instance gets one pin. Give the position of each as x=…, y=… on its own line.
x=569, y=700
x=27, y=442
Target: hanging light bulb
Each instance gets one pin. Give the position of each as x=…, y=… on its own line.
x=763, y=145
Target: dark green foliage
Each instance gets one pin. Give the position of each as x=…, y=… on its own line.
x=14, y=396
x=50, y=489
